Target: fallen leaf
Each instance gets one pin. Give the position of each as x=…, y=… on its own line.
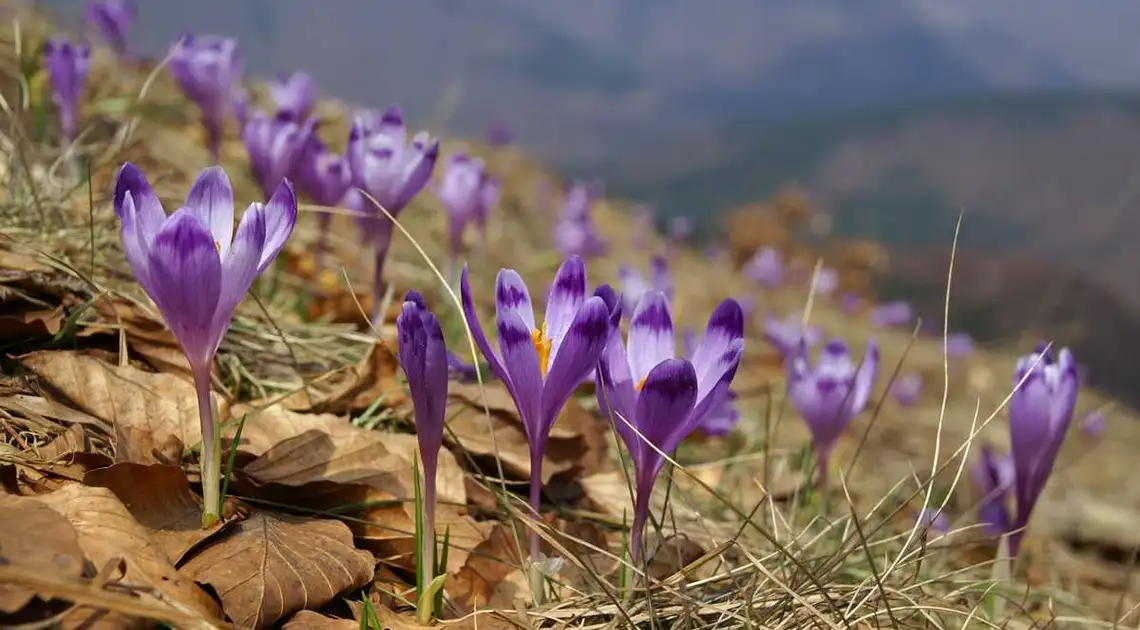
x=108, y=533
x=33, y=536
x=160, y=499
x=149, y=412
x=491, y=577
x=309, y=620
x=355, y=388
x=30, y=323
x=267, y=427
x=271, y=565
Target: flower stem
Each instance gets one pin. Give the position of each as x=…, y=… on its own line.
x=427, y=542
x=211, y=458
x=382, y=244
x=536, y=580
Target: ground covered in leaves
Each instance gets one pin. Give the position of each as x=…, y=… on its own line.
x=99, y=503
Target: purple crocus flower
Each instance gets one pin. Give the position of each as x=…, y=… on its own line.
x=423, y=356
x=831, y=394
x=785, y=334
x=390, y=169
x=460, y=369
x=663, y=397
x=294, y=95
x=907, y=389
x=850, y=302
x=680, y=228
x=68, y=65
x=934, y=520
x=765, y=267
x=542, y=366
x=325, y=177
x=720, y=419
x=197, y=269
x=1094, y=423
x=994, y=477
x=464, y=191
x=275, y=145
x=1040, y=412
x=578, y=238
x=959, y=345
x=489, y=196
x=892, y=314
x=634, y=286
x=578, y=203
x=113, y=19
x=208, y=69
x=826, y=281
x=499, y=134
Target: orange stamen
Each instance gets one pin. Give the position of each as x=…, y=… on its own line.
x=542, y=344
x=641, y=383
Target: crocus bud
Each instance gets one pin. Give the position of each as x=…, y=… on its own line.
x=68, y=65
x=113, y=19
x=1040, y=412
x=275, y=146
x=293, y=95
x=208, y=69
x=830, y=394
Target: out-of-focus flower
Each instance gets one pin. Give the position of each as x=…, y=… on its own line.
x=325, y=177
x=959, y=345
x=766, y=267
x=1094, y=423
x=459, y=369
x=293, y=95
x=664, y=398
x=723, y=417
x=541, y=367
x=680, y=228
x=642, y=227
x=994, y=477
x=826, y=281
x=208, y=69
x=197, y=270
x=634, y=286
x=1040, y=412
x=785, y=334
x=275, y=145
x=892, y=314
x=575, y=233
x=423, y=356
x=934, y=520
x=392, y=171
x=68, y=65
x=907, y=389
x=466, y=191
x=499, y=133
x=830, y=394
x=850, y=302
x=113, y=19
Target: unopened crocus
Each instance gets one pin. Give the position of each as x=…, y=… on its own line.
x=293, y=95
x=722, y=418
x=392, y=171
x=68, y=65
x=642, y=385
x=907, y=389
x=423, y=356
x=197, y=269
x=766, y=268
x=785, y=334
x=464, y=191
x=1040, y=412
x=208, y=69
x=542, y=366
x=830, y=394
x=994, y=477
x=634, y=286
x=113, y=20
x=892, y=314
x=275, y=145
x=325, y=177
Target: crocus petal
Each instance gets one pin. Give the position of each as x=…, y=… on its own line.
x=472, y=317
x=149, y=215
x=567, y=294
x=239, y=268
x=665, y=400
x=651, y=336
x=720, y=347
x=187, y=275
x=581, y=349
x=280, y=219
x=615, y=387
x=512, y=296
x=211, y=199
x=521, y=360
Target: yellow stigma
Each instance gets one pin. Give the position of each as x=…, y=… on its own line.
x=641, y=383
x=542, y=344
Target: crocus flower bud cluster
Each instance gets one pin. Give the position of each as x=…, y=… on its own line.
x=68, y=65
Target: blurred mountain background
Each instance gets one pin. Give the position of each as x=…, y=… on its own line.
x=894, y=115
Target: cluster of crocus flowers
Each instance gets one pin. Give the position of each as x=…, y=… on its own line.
x=326, y=178
x=892, y=314
x=197, y=269
x=542, y=366
x=67, y=65
x=786, y=333
x=293, y=95
x=575, y=233
x=469, y=193
x=208, y=69
x=1040, y=412
x=275, y=145
x=656, y=399
x=831, y=393
x=424, y=358
x=113, y=20
x=635, y=286
x=766, y=268
x=390, y=169
x=907, y=389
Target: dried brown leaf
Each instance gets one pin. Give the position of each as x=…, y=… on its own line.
x=491, y=577
x=34, y=536
x=309, y=620
x=30, y=323
x=355, y=388
x=160, y=499
x=272, y=565
x=150, y=412
x=108, y=532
